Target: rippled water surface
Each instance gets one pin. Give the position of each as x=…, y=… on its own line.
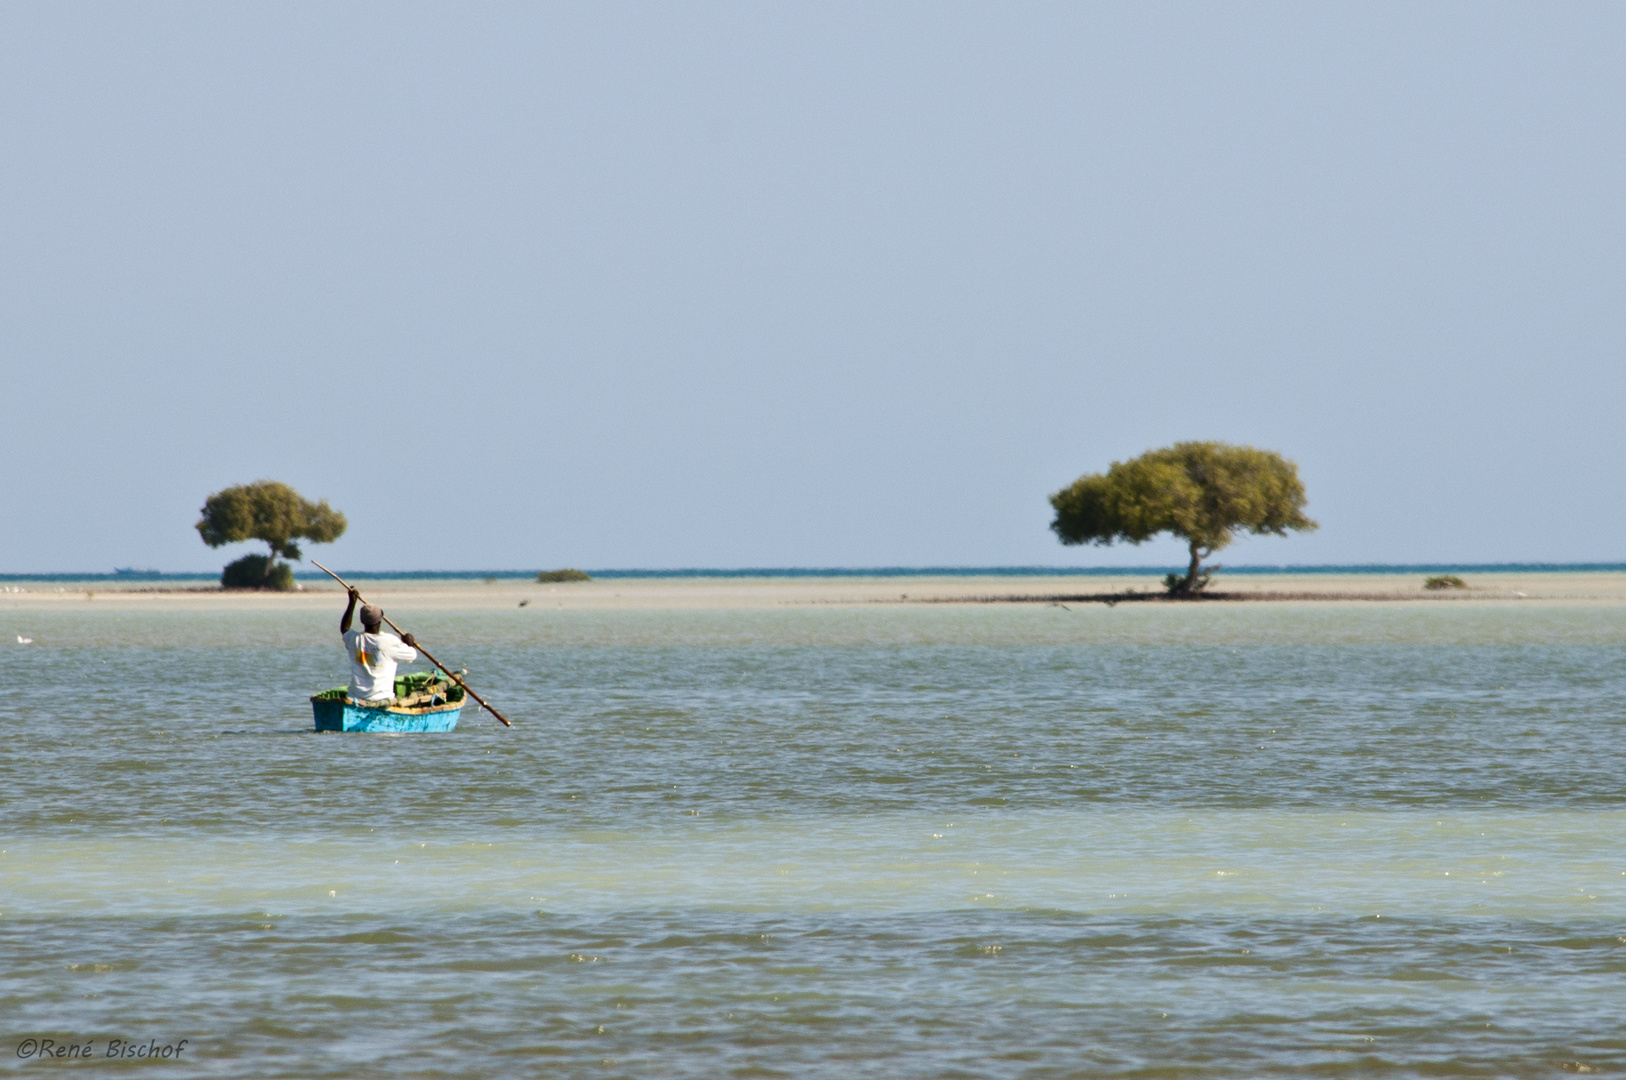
x=933, y=841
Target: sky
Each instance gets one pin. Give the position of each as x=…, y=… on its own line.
x=628, y=285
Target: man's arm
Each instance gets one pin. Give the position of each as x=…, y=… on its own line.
x=404, y=653
x=349, y=610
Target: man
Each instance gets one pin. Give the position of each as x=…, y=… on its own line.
x=373, y=654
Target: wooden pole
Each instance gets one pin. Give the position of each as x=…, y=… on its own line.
x=467, y=689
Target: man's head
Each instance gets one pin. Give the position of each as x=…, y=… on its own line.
x=371, y=617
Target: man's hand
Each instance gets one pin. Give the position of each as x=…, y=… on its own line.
x=412, y=642
x=355, y=595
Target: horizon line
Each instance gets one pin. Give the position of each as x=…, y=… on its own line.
x=866, y=571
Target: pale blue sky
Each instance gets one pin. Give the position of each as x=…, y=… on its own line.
x=644, y=285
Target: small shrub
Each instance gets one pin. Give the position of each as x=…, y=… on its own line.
x=1175, y=584
x=550, y=577
x=1444, y=581
x=258, y=572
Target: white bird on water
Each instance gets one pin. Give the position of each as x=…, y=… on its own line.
x=24, y=640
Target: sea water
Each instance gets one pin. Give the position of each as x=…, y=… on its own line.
x=880, y=841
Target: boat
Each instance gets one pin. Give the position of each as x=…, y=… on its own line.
x=146, y=573
x=347, y=714
x=422, y=702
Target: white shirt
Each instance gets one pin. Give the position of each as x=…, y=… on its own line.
x=372, y=663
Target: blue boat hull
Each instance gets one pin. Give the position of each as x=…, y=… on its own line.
x=347, y=715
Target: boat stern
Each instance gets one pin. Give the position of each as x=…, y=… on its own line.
x=344, y=714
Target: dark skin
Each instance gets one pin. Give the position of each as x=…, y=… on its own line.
x=371, y=628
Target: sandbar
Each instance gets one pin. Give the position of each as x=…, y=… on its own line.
x=1600, y=587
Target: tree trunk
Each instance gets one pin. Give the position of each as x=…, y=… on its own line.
x=1191, y=571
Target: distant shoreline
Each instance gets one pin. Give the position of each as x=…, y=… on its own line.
x=1211, y=597
x=158, y=579
x=1109, y=599
x=1011, y=592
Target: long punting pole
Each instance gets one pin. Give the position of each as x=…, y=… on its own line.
x=458, y=679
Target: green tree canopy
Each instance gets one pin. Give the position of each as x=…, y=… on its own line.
x=269, y=511
x=1202, y=492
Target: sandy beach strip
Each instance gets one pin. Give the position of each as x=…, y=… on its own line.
x=1603, y=587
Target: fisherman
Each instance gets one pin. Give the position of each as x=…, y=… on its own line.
x=373, y=653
